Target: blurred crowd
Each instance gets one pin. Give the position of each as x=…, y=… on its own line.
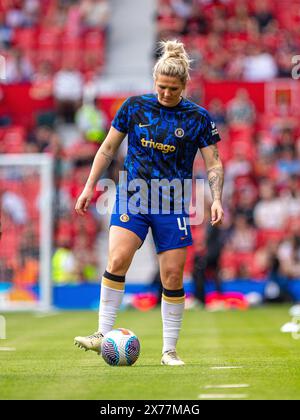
x=260, y=236
x=228, y=40
x=247, y=41
x=234, y=39
x=58, y=46
x=52, y=41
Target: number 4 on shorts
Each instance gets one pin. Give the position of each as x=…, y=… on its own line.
x=182, y=225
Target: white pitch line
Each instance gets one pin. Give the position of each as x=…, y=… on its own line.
x=226, y=386
x=7, y=349
x=226, y=367
x=222, y=396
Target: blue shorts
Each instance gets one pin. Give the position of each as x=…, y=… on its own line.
x=170, y=231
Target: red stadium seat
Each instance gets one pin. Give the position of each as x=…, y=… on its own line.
x=74, y=43
x=52, y=55
x=266, y=236
x=50, y=37
x=228, y=261
x=25, y=38
x=2, y=132
x=242, y=147
x=94, y=40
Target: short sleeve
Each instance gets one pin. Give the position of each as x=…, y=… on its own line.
x=209, y=133
x=122, y=118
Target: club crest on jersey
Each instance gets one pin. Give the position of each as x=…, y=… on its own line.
x=179, y=133
x=124, y=218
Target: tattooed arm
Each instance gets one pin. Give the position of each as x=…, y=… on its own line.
x=101, y=162
x=215, y=175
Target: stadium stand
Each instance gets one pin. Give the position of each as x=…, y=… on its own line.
x=232, y=43
x=250, y=41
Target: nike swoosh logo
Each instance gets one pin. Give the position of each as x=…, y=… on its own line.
x=144, y=125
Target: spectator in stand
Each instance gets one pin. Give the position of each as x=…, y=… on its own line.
x=27, y=269
x=269, y=212
x=67, y=91
x=182, y=8
x=246, y=200
x=239, y=22
x=241, y=110
x=218, y=112
x=90, y=120
x=286, y=141
x=234, y=67
x=6, y=270
x=288, y=163
x=243, y=237
x=6, y=32
x=265, y=166
x=95, y=14
x=64, y=269
x=196, y=22
x=263, y=14
x=40, y=138
x=259, y=65
x=87, y=258
x=289, y=257
x=168, y=23
x=19, y=68
x=15, y=206
x=42, y=81
x=239, y=165
x=73, y=26
x=283, y=60
x=56, y=15
x=15, y=15
x=266, y=143
x=293, y=197
x=32, y=12
x=265, y=264
x=216, y=56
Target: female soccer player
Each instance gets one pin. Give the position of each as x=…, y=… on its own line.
x=165, y=130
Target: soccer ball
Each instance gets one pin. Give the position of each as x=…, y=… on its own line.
x=120, y=347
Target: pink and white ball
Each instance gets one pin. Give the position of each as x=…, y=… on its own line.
x=120, y=347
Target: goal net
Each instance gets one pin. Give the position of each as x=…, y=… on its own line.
x=26, y=197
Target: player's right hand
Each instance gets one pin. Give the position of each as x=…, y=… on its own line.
x=83, y=202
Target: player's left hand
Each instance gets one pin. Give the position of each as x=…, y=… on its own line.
x=217, y=213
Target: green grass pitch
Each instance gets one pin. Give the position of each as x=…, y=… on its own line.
x=46, y=364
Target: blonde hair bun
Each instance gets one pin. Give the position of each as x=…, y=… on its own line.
x=173, y=49
x=174, y=61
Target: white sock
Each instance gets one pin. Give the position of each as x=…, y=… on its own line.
x=172, y=307
x=112, y=292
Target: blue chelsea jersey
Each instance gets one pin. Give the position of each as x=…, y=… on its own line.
x=163, y=141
